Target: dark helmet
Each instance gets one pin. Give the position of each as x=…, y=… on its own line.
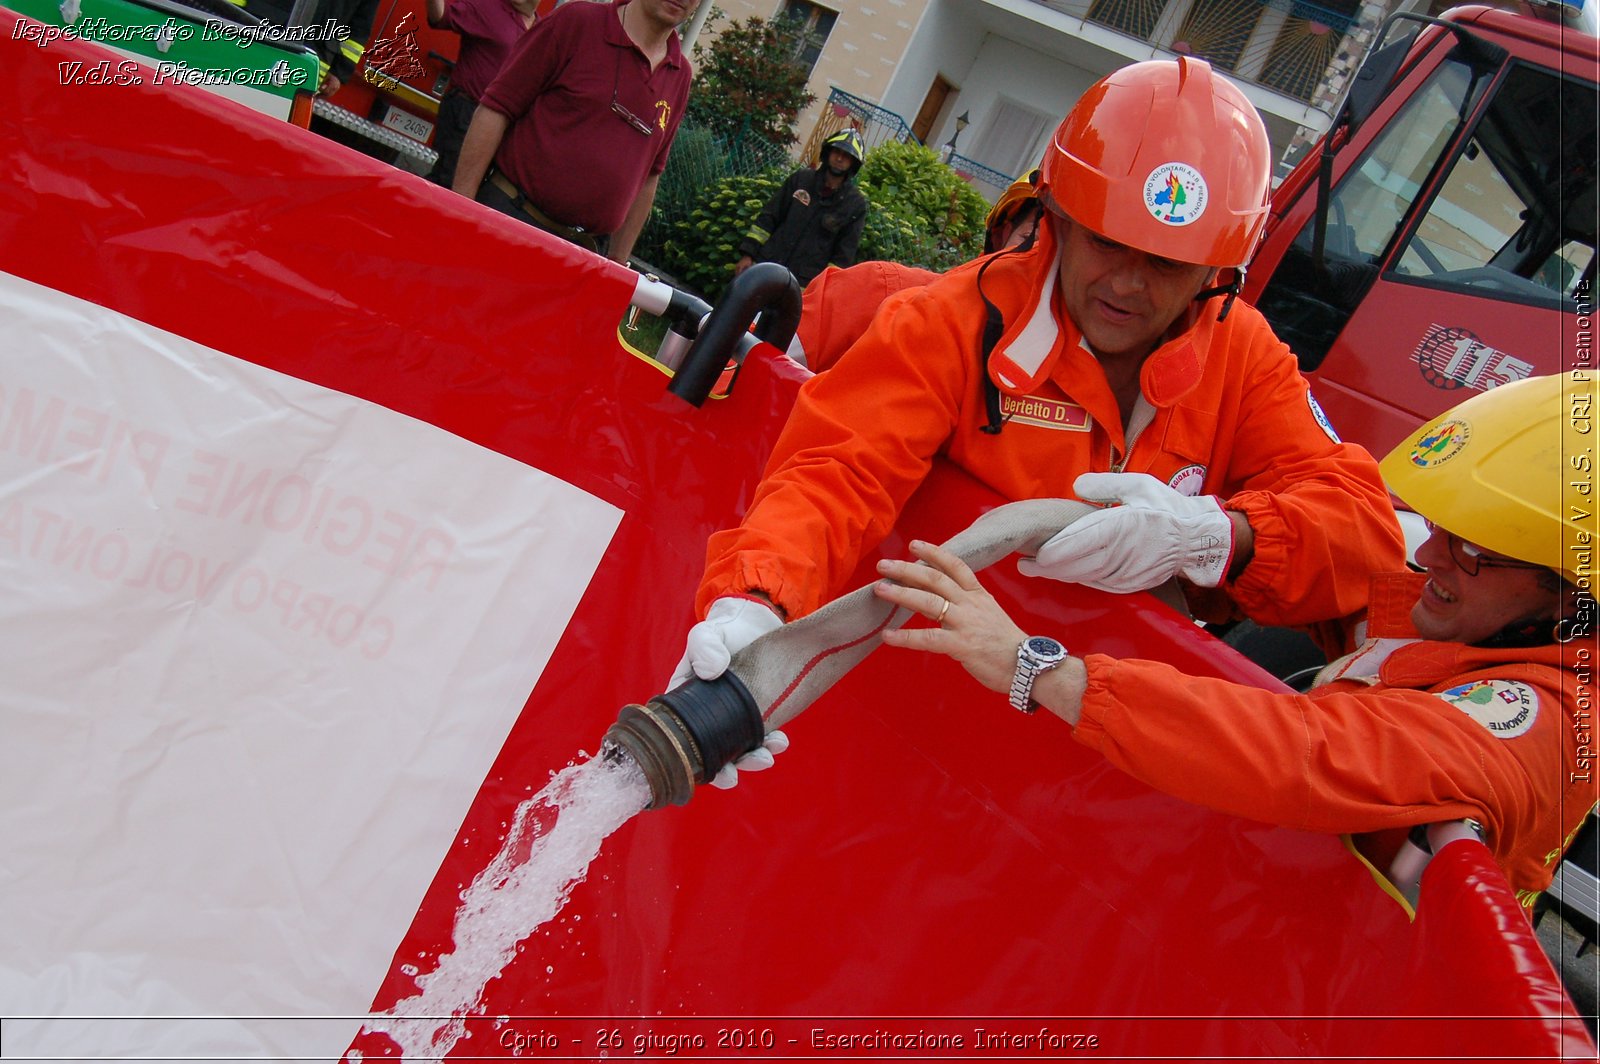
x=847, y=141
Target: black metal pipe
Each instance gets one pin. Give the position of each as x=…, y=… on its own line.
x=682, y=306
x=767, y=289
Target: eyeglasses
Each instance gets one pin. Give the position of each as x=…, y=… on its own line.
x=1470, y=557
x=616, y=105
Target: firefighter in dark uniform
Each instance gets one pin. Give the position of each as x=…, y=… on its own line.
x=338, y=59
x=815, y=217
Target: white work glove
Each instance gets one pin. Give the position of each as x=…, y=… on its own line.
x=1147, y=534
x=732, y=623
x=772, y=744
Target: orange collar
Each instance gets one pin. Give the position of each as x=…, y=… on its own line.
x=1391, y=597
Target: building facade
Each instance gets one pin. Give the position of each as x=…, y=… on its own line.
x=1012, y=68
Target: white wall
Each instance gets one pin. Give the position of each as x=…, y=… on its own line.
x=1036, y=81
x=983, y=66
x=945, y=42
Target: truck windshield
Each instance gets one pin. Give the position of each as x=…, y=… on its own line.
x=1371, y=204
x=1516, y=215
x=1513, y=217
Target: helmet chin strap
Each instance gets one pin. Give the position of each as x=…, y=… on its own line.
x=1231, y=290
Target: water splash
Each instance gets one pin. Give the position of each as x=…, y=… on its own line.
x=553, y=838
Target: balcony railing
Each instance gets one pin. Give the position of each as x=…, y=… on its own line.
x=875, y=124
x=879, y=124
x=1285, y=45
x=986, y=179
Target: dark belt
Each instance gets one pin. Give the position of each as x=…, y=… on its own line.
x=595, y=242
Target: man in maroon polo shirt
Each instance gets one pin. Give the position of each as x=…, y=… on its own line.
x=488, y=29
x=573, y=133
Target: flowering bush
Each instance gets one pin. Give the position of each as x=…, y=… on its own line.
x=747, y=83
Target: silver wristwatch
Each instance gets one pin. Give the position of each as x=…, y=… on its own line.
x=1037, y=654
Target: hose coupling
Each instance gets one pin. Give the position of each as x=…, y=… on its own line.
x=682, y=738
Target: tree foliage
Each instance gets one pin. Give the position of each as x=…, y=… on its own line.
x=747, y=83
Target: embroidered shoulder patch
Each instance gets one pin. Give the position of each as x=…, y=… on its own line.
x=1507, y=708
x=1322, y=418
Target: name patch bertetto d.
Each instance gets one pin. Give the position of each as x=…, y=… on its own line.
x=1045, y=413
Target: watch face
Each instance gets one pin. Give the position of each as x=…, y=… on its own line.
x=1044, y=647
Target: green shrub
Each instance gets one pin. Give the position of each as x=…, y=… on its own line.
x=701, y=247
x=697, y=160
x=922, y=214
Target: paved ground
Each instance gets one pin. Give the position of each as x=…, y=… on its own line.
x=1580, y=974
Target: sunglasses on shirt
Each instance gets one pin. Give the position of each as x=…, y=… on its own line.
x=617, y=107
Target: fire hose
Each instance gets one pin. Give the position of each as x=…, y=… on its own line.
x=681, y=738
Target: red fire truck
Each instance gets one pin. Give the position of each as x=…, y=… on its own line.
x=1441, y=236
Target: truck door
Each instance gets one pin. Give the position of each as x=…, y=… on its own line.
x=1459, y=250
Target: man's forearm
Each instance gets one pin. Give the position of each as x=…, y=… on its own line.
x=628, y=232
x=1061, y=690
x=483, y=139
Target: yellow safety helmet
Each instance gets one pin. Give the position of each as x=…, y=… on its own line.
x=1016, y=194
x=1511, y=469
x=1002, y=218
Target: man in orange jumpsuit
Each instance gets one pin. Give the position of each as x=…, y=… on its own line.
x=840, y=302
x=1471, y=698
x=1109, y=362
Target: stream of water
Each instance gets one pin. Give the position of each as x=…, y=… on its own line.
x=553, y=838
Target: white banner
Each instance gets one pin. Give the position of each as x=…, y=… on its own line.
x=261, y=642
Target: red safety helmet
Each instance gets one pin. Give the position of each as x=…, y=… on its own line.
x=1167, y=157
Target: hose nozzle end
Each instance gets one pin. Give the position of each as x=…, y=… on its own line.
x=682, y=738
x=654, y=739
